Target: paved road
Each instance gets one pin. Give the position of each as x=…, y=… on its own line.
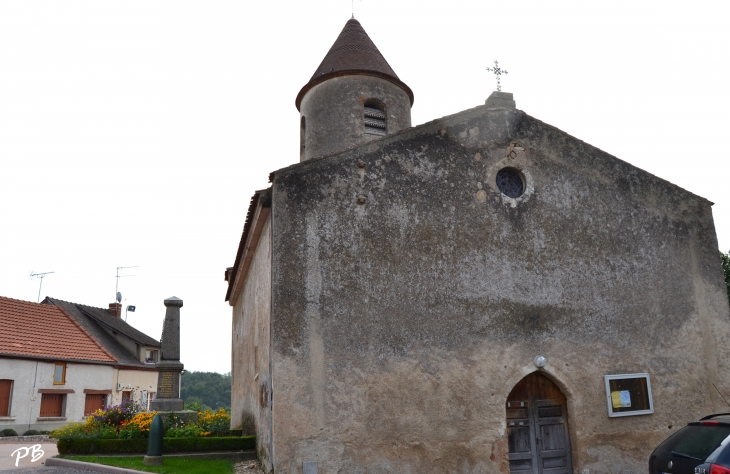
x=46, y=470
x=24, y=453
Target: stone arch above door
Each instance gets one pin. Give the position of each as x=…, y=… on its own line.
x=537, y=427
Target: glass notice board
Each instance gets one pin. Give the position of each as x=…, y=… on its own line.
x=628, y=394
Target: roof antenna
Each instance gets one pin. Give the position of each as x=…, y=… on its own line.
x=352, y=4
x=122, y=276
x=39, y=275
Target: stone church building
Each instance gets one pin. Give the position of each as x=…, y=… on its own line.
x=482, y=293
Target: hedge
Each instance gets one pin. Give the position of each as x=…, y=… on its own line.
x=169, y=445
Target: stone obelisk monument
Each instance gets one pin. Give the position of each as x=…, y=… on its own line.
x=169, y=366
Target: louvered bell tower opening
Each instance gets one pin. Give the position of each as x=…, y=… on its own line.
x=375, y=118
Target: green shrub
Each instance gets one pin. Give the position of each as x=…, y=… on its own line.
x=131, y=432
x=101, y=446
x=171, y=420
x=139, y=446
x=9, y=432
x=71, y=431
x=196, y=406
x=105, y=432
x=189, y=431
x=32, y=433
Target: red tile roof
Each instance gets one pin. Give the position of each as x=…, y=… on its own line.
x=40, y=330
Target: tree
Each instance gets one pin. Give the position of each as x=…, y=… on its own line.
x=210, y=389
x=725, y=257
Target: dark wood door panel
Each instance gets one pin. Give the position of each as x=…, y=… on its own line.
x=537, y=427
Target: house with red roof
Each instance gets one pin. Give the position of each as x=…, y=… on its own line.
x=61, y=361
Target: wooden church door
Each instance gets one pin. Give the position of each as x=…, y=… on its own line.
x=537, y=427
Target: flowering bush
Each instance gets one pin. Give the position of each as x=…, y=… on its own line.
x=72, y=430
x=115, y=415
x=142, y=420
x=216, y=424
x=128, y=422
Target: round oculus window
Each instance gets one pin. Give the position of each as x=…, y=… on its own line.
x=510, y=182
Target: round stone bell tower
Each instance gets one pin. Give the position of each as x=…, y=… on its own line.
x=352, y=98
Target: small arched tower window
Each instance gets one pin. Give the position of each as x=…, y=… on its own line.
x=375, y=118
x=302, y=137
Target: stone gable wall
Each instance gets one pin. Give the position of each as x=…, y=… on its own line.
x=410, y=296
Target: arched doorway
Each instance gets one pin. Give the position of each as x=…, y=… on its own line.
x=537, y=427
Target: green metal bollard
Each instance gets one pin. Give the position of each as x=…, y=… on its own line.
x=154, y=444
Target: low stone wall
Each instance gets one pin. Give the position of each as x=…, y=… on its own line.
x=42, y=438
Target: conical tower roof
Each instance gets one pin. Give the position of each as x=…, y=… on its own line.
x=353, y=53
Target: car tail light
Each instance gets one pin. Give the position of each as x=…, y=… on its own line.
x=709, y=423
x=715, y=469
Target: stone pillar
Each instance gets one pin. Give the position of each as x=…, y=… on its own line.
x=502, y=100
x=169, y=366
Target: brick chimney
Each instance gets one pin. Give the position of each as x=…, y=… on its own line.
x=116, y=309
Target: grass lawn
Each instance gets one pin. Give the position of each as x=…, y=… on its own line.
x=173, y=465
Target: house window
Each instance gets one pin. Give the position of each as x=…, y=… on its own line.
x=150, y=397
x=6, y=389
x=375, y=118
x=94, y=402
x=126, y=397
x=52, y=404
x=59, y=374
x=150, y=356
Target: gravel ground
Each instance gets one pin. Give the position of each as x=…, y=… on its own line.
x=248, y=467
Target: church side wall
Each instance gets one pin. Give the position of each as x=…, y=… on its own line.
x=410, y=297
x=251, y=381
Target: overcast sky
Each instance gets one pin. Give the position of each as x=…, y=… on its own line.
x=135, y=132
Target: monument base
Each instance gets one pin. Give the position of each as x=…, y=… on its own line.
x=186, y=416
x=153, y=461
x=166, y=404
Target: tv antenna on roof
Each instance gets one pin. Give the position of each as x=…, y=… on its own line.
x=39, y=275
x=119, y=296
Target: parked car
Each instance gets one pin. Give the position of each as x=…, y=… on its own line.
x=701, y=447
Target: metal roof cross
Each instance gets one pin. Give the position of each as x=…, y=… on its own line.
x=497, y=72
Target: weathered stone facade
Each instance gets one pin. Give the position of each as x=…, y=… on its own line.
x=332, y=113
x=251, y=386
x=406, y=296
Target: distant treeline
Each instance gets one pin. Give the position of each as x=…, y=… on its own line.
x=210, y=389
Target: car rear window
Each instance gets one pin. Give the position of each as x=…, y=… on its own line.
x=698, y=441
